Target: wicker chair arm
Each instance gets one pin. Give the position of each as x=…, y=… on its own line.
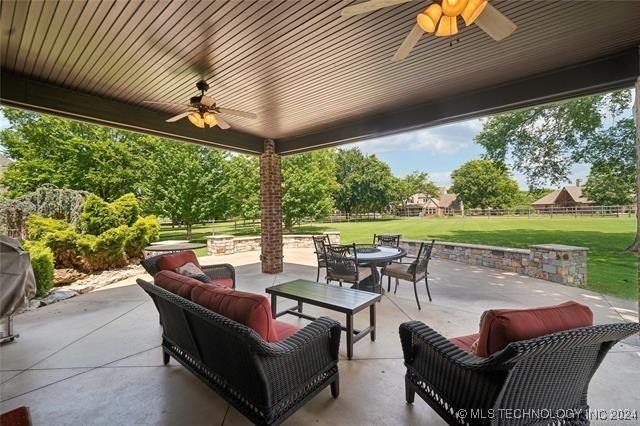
x=415, y=333
x=321, y=335
x=220, y=271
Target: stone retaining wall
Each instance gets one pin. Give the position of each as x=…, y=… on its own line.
x=228, y=244
x=551, y=262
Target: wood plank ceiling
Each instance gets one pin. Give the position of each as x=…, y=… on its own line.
x=297, y=64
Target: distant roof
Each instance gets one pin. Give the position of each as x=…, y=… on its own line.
x=447, y=199
x=4, y=161
x=575, y=192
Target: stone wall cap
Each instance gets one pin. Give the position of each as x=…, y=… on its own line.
x=473, y=246
x=558, y=247
x=246, y=238
x=331, y=232
x=219, y=237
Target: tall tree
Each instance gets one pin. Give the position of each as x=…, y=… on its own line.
x=544, y=142
x=186, y=184
x=366, y=183
x=72, y=154
x=243, y=189
x=309, y=181
x=413, y=183
x=484, y=184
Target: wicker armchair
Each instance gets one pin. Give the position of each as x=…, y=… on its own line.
x=342, y=265
x=551, y=373
x=319, y=242
x=266, y=382
x=413, y=272
x=215, y=272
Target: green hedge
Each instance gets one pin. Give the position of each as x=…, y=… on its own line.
x=144, y=231
x=39, y=226
x=42, y=264
x=99, y=216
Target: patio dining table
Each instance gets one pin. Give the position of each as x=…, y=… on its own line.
x=373, y=257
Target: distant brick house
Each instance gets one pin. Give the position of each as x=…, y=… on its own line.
x=567, y=196
x=4, y=165
x=423, y=205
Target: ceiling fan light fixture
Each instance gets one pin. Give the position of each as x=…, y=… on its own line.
x=473, y=10
x=448, y=26
x=453, y=8
x=428, y=20
x=210, y=119
x=196, y=119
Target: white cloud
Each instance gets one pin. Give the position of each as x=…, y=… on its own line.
x=447, y=139
x=4, y=123
x=441, y=178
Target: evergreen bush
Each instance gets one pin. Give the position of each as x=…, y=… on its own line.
x=98, y=216
x=127, y=209
x=38, y=226
x=42, y=264
x=141, y=234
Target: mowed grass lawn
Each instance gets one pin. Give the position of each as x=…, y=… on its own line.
x=611, y=269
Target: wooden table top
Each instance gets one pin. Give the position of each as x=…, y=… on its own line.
x=340, y=299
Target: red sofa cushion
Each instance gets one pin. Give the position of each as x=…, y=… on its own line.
x=465, y=342
x=252, y=310
x=176, y=283
x=225, y=282
x=502, y=326
x=284, y=330
x=169, y=262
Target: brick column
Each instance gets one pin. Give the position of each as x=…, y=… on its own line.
x=271, y=209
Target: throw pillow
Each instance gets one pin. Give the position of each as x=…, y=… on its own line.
x=192, y=271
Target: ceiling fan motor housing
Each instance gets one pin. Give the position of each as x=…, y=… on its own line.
x=202, y=86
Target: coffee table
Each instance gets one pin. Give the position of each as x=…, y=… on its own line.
x=345, y=300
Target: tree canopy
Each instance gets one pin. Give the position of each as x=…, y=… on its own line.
x=544, y=142
x=484, y=184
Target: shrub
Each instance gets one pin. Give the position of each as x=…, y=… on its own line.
x=127, y=209
x=108, y=249
x=42, y=264
x=98, y=216
x=141, y=233
x=38, y=227
x=64, y=245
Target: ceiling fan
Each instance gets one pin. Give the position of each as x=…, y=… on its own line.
x=441, y=18
x=203, y=110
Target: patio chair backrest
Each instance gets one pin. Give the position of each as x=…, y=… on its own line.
x=193, y=329
x=386, y=240
x=422, y=261
x=319, y=242
x=150, y=264
x=342, y=261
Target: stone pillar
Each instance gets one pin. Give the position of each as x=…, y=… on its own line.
x=271, y=209
x=559, y=263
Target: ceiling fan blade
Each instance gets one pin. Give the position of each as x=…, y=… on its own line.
x=178, y=117
x=409, y=43
x=221, y=123
x=494, y=23
x=369, y=6
x=239, y=113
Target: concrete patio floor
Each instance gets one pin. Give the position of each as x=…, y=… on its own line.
x=95, y=359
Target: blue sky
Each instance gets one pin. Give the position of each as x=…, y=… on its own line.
x=437, y=151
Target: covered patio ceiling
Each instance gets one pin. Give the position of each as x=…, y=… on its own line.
x=314, y=78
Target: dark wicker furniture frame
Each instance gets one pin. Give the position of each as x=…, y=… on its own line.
x=551, y=372
x=342, y=264
x=219, y=271
x=254, y=376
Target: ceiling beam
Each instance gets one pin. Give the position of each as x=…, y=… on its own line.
x=36, y=96
x=609, y=73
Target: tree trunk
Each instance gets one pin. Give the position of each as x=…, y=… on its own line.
x=636, y=244
x=189, y=231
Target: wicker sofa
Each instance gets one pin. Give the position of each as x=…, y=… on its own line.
x=543, y=380
x=265, y=381
x=222, y=271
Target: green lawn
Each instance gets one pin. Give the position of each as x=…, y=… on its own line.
x=611, y=269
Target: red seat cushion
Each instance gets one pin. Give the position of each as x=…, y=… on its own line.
x=465, y=342
x=252, y=310
x=284, y=330
x=169, y=262
x=176, y=283
x=225, y=282
x=502, y=326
